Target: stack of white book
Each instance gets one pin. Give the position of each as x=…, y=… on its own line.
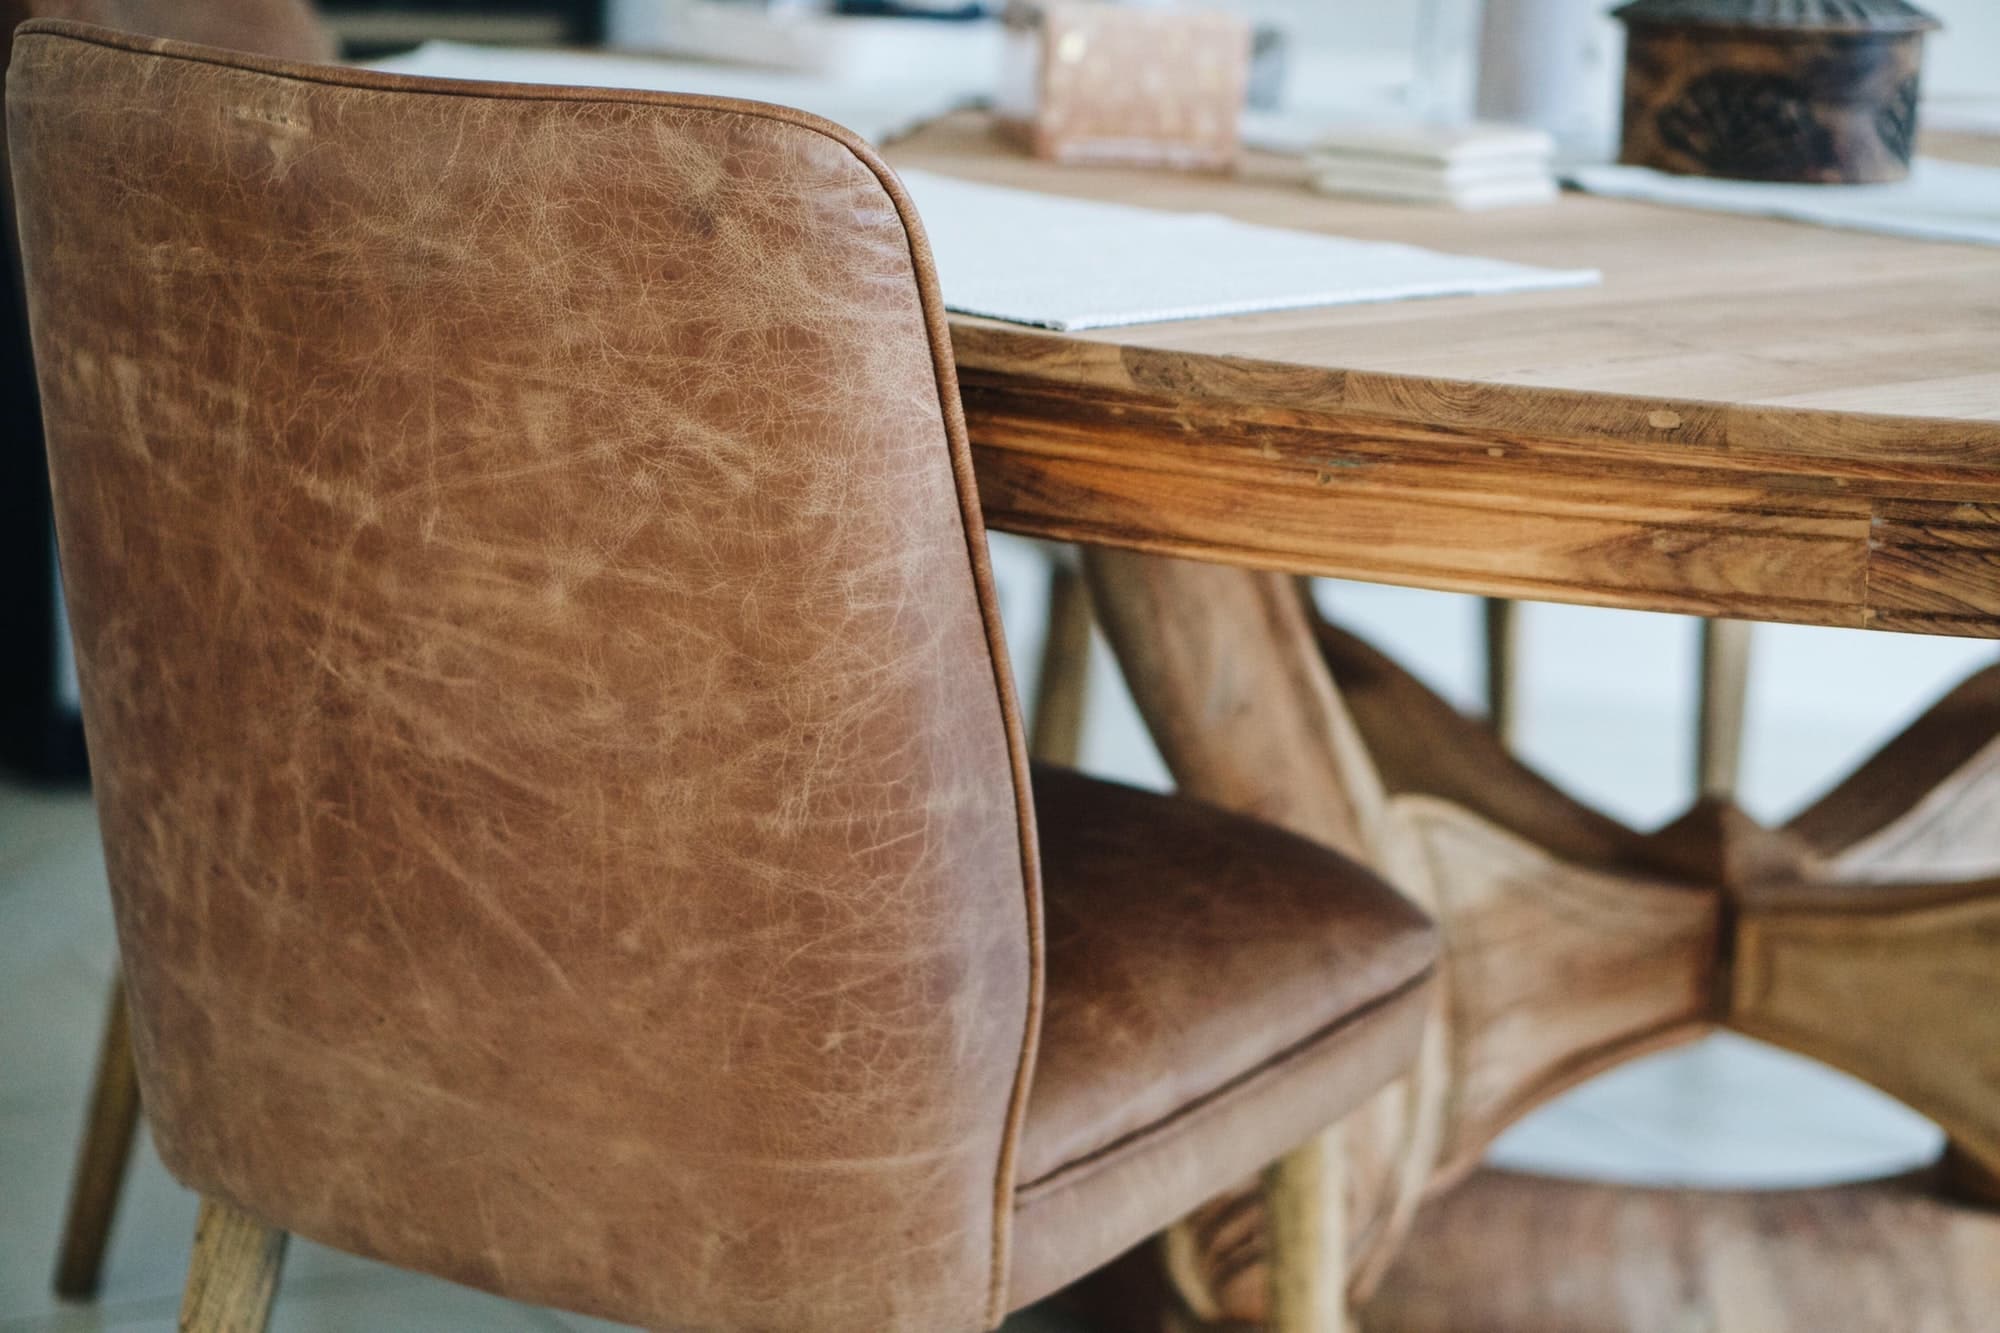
x=1464, y=166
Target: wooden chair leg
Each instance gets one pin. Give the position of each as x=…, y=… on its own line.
x=1305, y=1198
x=1503, y=659
x=233, y=1276
x=108, y=1132
x=1063, y=684
x=1725, y=684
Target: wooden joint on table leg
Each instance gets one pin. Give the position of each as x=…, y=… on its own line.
x=1892, y=983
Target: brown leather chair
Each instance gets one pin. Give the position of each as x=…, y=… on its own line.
x=558, y=766
x=286, y=28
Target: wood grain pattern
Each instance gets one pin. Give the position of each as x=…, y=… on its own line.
x=1924, y=806
x=1726, y=315
x=1749, y=419
x=1566, y=951
x=1553, y=969
x=1420, y=745
x=1899, y=985
x=1771, y=101
x=1508, y=1253
x=1950, y=831
x=233, y=1273
x=1557, y=972
x=1224, y=666
x=1934, y=566
x=110, y=1125
x=1572, y=943
x=1213, y=653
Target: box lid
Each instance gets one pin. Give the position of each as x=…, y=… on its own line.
x=1886, y=16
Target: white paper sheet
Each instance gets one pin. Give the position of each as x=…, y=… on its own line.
x=878, y=111
x=1070, y=264
x=1941, y=201
x=1031, y=258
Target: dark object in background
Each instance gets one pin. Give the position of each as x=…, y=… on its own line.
x=1814, y=91
x=373, y=27
x=41, y=729
x=1269, y=55
x=951, y=10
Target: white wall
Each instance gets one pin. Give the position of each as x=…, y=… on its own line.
x=1965, y=58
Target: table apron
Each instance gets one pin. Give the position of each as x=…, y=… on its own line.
x=1715, y=531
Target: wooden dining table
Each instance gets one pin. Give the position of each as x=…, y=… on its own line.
x=1748, y=418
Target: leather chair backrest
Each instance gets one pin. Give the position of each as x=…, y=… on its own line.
x=30, y=672
x=563, y=804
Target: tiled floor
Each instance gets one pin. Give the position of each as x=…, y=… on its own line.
x=1724, y=1112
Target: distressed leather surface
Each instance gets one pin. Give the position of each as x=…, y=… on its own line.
x=553, y=747
x=1218, y=991
x=560, y=784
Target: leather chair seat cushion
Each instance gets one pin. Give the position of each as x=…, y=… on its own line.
x=1217, y=992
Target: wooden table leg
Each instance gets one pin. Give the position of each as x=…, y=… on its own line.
x=108, y=1132
x=1223, y=665
x=1572, y=944
x=1896, y=984
x=1724, y=695
x=1062, y=686
x=1553, y=970
x=1925, y=809
x=1503, y=668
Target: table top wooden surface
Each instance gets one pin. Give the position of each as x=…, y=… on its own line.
x=1749, y=418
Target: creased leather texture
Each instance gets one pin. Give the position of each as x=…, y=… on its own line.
x=1218, y=991
x=564, y=804
x=555, y=761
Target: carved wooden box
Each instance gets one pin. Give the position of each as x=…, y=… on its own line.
x=1820, y=91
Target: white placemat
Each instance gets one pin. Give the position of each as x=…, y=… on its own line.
x=1941, y=201
x=877, y=110
x=1070, y=264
